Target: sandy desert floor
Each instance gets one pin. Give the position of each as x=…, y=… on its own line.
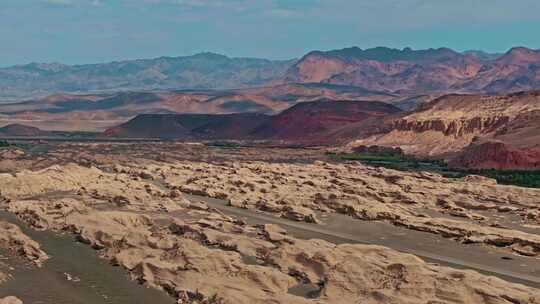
x=285, y=225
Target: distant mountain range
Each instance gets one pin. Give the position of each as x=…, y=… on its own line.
x=473, y=108
x=201, y=71
x=409, y=72
x=404, y=72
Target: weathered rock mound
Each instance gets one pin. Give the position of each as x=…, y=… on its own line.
x=10, y=300
x=14, y=240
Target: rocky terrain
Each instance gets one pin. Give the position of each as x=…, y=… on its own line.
x=404, y=199
x=10, y=300
x=410, y=71
x=471, y=131
x=313, y=120
x=132, y=210
x=503, y=127
x=15, y=242
x=467, y=131
x=497, y=155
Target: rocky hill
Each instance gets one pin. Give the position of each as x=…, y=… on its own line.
x=189, y=126
x=497, y=155
x=307, y=121
x=18, y=130
x=313, y=120
x=500, y=131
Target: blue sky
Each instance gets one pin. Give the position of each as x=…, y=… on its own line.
x=89, y=31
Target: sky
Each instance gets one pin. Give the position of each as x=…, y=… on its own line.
x=92, y=31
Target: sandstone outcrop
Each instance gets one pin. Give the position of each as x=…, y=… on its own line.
x=497, y=155
x=15, y=241
x=10, y=300
x=453, y=125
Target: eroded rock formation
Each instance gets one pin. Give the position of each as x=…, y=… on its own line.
x=136, y=216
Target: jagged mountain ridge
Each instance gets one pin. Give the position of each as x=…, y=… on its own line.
x=410, y=71
x=407, y=71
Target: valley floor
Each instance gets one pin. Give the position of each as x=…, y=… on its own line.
x=266, y=225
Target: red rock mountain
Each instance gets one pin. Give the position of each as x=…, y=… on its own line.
x=410, y=71
x=307, y=121
x=313, y=120
x=497, y=155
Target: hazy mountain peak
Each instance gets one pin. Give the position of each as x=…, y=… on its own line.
x=520, y=55
x=205, y=70
x=210, y=55
x=385, y=54
x=482, y=55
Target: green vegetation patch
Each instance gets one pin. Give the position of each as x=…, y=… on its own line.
x=76, y=134
x=372, y=157
x=396, y=161
x=510, y=177
x=223, y=144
